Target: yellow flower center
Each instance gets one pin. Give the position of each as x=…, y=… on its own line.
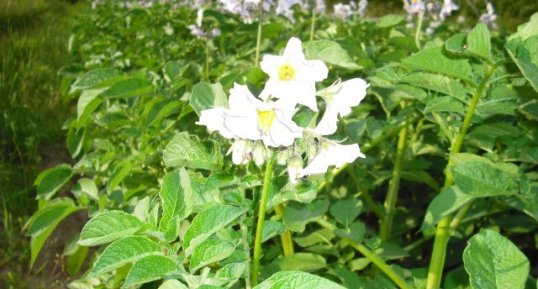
x=286, y=72
x=265, y=119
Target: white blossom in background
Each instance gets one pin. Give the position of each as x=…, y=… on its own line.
x=449, y=6
x=489, y=17
x=346, y=11
x=197, y=30
x=251, y=119
x=246, y=9
x=292, y=78
x=284, y=8
x=414, y=6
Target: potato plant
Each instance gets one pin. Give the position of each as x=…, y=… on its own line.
x=243, y=155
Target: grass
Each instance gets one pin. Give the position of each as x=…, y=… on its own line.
x=33, y=47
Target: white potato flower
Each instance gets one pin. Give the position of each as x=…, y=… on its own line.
x=331, y=153
x=251, y=119
x=340, y=98
x=292, y=78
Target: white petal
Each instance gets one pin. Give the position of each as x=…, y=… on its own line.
x=213, y=119
x=332, y=154
x=328, y=123
x=350, y=95
x=283, y=131
x=317, y=70
x=244, y=127
x=270, y=65
x=241, y=98
x=294, y=50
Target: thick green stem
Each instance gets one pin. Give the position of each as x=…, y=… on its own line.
x=286, y=238
x=419, y=29
x=268, y=174
x=392, y=193
x=380, y=263
x=259, y=35
x=442, y=233
x=313, y=24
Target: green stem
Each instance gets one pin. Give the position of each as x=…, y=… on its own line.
x=259, y=35
x=442, y=233
x=207, y=60
x=313, y=24
x=419, y=29
x=287, y=240
x=268, y=174
x=380, y=263
x=392, y=193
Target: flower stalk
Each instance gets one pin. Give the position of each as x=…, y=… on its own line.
x=259, y=35
x=313, y=24
x=419, y=29
x=442, y=233
x=268, y=174
x=394, y=184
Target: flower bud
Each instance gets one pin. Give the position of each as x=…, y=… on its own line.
x=259, y=153
x=282, y=157
x=241, y=152
x=295, y=167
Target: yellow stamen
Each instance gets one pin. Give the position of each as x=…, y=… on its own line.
x=286, y=72
x=265, y=119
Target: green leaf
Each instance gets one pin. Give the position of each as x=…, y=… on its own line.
x=176, y=199
x=162, y=109
x=478, y=41
x=443, y=104
x=88, y=102
x=478, y=176
x=271, y=229
x=94, y=77
x=124, y=251
x=107, y=227
x=75, y=140
x=52, y=180
x=297, y=215
x=87, y=187
x=208, y=222
x=436, y=61
x=128, y=88
x=210, y=251
x=307, y=262
x=439, y=83
x=446, y=202
x=389, y=20
x=330, y=52
x=149, y=269
x=207, y=95
x=493, y=262
x=172, y=284
x=76, y=260
x=523, y=48
x=530, y=109
x=189, y=151
x=355, y=232
x=346, y=210
x=121, y=170
x=297, y=280
x=44, y=221
x=232, y=270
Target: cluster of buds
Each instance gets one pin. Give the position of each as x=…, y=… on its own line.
x=262, y=127
x=436, y=11
x=197, y=30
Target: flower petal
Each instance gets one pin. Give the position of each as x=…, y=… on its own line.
x=332, y=154
x=213, y=119
x=294, y=50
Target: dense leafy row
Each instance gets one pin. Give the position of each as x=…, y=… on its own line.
x=169, y=204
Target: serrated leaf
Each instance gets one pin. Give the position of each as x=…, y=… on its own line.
x=189, y=151
x=493, y=262
x=297, y=280
x=330, y=52
x=436, y=61
x=52, y=180
x=439, y=83
x=94, y=77
x=210, y=251
x=176, y=199
x=208, y=222
x=128, y=88
x=346, y=210
x=149, y=269
x=478, y=41
x=124, y=251
x=297, y=215
x=44, y=221
x=523, y=48
x=207, y=95
x=107, y=227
